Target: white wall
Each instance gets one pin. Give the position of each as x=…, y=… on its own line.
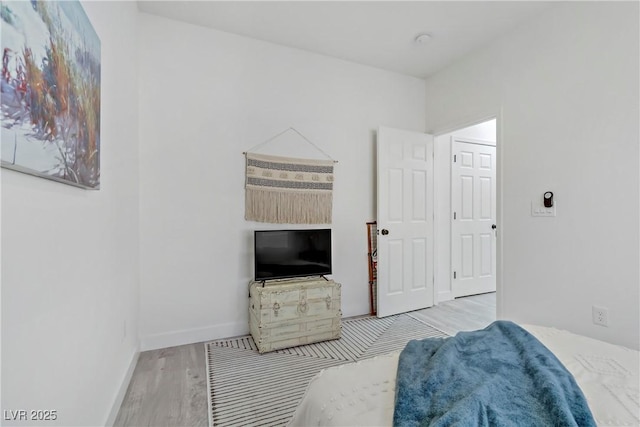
x=567, y=87
x=205, y=97
x=483, y=131
x=70, y=259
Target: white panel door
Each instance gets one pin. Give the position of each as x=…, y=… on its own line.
x=405, y=221
x=473, y=230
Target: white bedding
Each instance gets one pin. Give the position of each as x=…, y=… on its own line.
x=362, y=393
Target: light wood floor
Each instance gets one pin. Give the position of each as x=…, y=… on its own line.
x=461, y=314
x=169, y=386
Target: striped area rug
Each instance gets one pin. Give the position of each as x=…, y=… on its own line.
x=246, y=388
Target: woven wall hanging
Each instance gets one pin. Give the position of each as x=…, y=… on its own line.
x=285, y=190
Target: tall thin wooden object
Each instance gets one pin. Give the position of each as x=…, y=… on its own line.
x=372, y=257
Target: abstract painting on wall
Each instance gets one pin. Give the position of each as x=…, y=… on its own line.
x=50, y=97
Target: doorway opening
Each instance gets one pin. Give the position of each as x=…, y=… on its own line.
x=466, y=213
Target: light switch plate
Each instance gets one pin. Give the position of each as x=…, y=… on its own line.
x=538, y=209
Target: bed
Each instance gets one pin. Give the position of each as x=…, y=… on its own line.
x=363, y=393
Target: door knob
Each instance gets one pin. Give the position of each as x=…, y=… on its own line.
x=385, y=231
x=493, y=226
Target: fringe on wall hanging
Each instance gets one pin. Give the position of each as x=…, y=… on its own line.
x=285, y=190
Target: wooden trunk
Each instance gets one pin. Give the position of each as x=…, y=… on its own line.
x=289, y=313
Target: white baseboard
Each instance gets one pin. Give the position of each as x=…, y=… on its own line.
x=354, y=310
x=444, y=296
x=111, y=419
x=190, y=336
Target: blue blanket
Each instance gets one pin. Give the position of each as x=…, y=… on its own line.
x=498, y=376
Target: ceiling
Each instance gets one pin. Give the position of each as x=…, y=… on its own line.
x=376, y=33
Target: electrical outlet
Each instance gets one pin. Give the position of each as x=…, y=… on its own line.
x=600, y=315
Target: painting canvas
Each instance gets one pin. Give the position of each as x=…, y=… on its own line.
x=50, y=98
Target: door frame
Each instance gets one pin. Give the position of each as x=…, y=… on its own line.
x=438, y=190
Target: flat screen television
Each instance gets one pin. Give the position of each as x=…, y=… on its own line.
x=282, y=254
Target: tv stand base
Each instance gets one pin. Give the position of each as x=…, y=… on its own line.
x=294, y=312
